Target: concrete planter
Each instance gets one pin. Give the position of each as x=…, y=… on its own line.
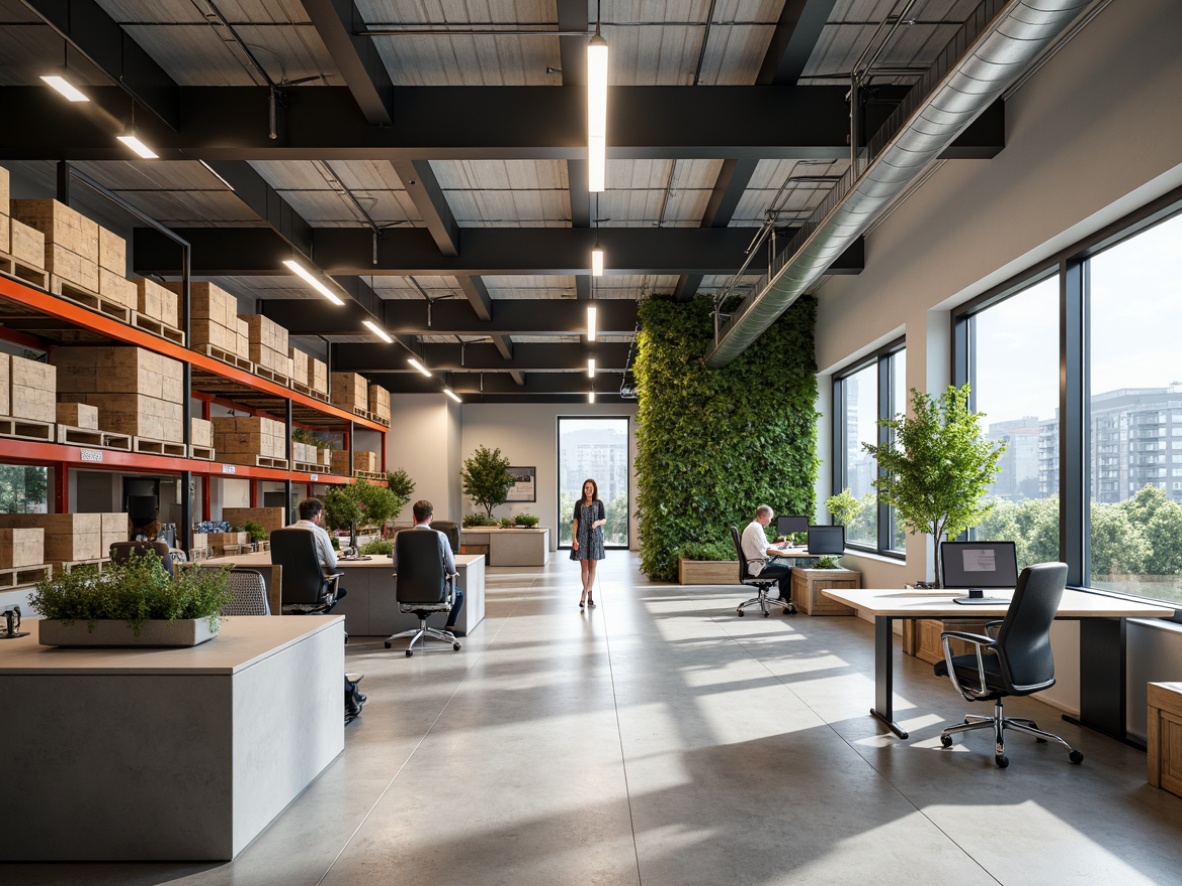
x=114, y=632
x=708, y=572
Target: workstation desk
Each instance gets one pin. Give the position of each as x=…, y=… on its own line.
x=1102, y=642
x=371, y=606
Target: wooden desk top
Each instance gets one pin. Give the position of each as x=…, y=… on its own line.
x=375, y=561
x=907, y=603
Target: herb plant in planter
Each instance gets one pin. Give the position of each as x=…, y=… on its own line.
x=526, y=521
x=136, y=603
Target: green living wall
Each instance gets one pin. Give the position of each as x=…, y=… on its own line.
x=713, y=444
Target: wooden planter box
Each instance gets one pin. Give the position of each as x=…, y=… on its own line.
x=708, y=572
x=807, y=585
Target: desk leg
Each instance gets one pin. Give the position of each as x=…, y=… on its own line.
x=884, y=674
x=1102, y=675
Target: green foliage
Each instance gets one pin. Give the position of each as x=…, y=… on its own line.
x=300, y=435
x=471, y=520
x=378, y=546
x=1118, y=545
x=357, y=503
x=256, y=530
x=402, y=487
x=506, y=522
x=135, y=592
x=843, y=507
x=487, y=479
x=527, y=520
x=21, y=486
x=826, y=563
x=707, y=550
x=935, y=468
x=713, y=444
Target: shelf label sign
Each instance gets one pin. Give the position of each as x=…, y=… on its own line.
x=92, y=455
x=229, y=469
x=314, y=478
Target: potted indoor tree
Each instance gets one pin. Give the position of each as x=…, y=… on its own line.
x=935, y=467
x=348, y=506
x=487, y=479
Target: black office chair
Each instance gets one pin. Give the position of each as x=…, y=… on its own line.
x=305, y=589
x=424, y=586
x=1017, y=661
x=754, y=581
x=122, y=551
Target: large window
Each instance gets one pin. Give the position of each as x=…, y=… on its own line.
x=24, y=489
x=595, y=448
x=1013, y=370
x=862, y=395
x=1135, y=418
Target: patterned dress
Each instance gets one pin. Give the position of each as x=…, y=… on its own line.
x=590, y=540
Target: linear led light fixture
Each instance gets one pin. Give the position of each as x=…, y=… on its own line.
x=453, y=395
x=215, y=174
x=304, y=274
x=591, y=367
x=596, y=112
x=133, y=142
x=597, y=262
x=378, y=331
x=65, y=87
x=592, y=313
x=591, y=396
x=419, y=366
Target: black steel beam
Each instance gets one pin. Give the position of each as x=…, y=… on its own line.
x=479, y=357
x=793, y=41
x=93, y=33
x=424, y=191
x=469, y=122
x=473, y=383
x=315, y=316
x=338, y=22
x=501, y=251
x=267, y=203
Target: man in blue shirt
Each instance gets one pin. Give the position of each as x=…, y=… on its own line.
x=423, y=512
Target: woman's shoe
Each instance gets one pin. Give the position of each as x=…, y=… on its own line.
x=590, y=600
x=583, y=600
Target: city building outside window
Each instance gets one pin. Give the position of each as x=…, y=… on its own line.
x=595, y=448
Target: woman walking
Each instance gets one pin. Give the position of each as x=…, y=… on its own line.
x=587, y=538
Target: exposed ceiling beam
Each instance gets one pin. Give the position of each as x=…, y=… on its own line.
x=481, y=357
x=425, y=192
x=468, y=122
x=728, y=190
x=267, y=203
x=93, y=33
x=499, y=251
x=314, y=316
x=469, y=384
x=357, y=58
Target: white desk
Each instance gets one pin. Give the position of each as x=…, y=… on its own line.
x=165, y=754
x=1102, y=696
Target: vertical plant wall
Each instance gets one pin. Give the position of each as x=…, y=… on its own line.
x=713, y=444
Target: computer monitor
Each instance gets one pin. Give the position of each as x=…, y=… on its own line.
x=979, y=565
x=826, y=540
x=791, y=525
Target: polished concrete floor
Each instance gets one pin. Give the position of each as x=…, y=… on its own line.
x=659, y=740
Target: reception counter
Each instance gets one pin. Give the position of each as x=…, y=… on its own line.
x=165, y=754
x=510, y=547
x=371, y=606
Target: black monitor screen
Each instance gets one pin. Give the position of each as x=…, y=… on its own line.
x=827, y=540
x=979, y=564
x=791, y=525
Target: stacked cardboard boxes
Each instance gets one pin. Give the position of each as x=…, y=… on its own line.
x=267, y=344
x=113, y=527
x=350, y=391
x=137, y=391
x=201, y=433
x=71, y=240
x=22, y=547
x=268, y=518
x=158, y=302
x=379, y=402
x=362, y=461
x=318, y=376
x=24, y=243
x=214, y=315
x=242, y=440
x=304, y=453
x=68, y=537
x=217, y=542
x=27, y=389
x=78, y=415
x=112, y=261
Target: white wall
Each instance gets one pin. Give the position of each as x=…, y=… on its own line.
x=424, y=440
x=1094, y=135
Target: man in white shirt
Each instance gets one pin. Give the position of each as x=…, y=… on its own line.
x=757, y=549
x=312, y=518
x=423, y=512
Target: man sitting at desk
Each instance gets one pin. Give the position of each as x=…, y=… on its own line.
x=312, y=517
x=423, y=511
x=757, y=549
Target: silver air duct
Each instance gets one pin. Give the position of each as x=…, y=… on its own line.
x=988, y=55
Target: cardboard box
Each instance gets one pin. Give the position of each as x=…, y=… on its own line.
x=365, y=461
x=119, y=370
x=22, y=547
x=218, y=541
x=252, y=435
x=5, y=384
x=72, y=267
x=265, y=332
x=318, y=376
x=201, y=432
x=5, y=193
x=207, y=332
x=379, y=401
x=157, y=302
x=62, y=226
x=114, y=527
x=299, y=365
x=33, y=390
x=138, y=415
x=78, y=415
x=112, y=252
x=68, y=537
x=117, y=288
x=208, y=301
x=268, y=518
x=340, y=461
x=27, y=244
x=6, y=231
x=350, y=391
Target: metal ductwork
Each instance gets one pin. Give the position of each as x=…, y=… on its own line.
x=988, y=55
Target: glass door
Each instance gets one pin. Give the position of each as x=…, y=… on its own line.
x=596, y=449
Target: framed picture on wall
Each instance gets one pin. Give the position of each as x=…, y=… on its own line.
x=525, y=485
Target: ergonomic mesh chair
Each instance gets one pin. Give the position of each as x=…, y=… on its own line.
x=250, y=593
x=424, y=586
x=305, y=588
x=762, y=585
x=1017, y=661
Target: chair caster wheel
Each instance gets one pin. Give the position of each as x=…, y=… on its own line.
x=739, y=612
x=1041, y=740
x=946, y=740
x=388, y=644
x=1075, y=757
x=410, y=653
x=455, y=646
x=1002, y=761
x=766, y=614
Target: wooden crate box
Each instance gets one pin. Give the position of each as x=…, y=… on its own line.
x=5, y=384
x=255, y=435
x=350, y=391
x=72, y=267
x=114, y=527
x=68, y=537
x=119, y=370
x=157, y=302
x=22, y=547
x=62, y=226
x=138, y=415
x=112, y=252
x=26, y=244
x=299, y=365
x=78, y=415
x=807, y=585
x=32, y=390
x=318, y=376
x=339, y=461
x=379, y=401
x=6, y=234
x=365, y=461
x=117, y=288
x=268, y=518
x=201, y=432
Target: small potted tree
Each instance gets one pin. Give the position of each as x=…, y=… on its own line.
x=348, y=506
x=487, y=479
